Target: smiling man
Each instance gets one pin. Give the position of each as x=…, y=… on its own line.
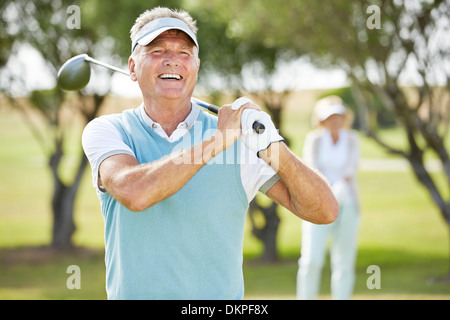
x=174, y=229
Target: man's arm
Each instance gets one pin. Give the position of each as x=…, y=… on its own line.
x=139, y=186
x=300, y=189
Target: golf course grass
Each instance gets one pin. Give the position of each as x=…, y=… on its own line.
x=401, y=230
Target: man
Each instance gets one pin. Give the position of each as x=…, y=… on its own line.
x=174, y=182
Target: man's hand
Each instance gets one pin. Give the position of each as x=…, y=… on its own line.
x=300, y=189
x=229, y=121
x=258, y=141
x=250, y=112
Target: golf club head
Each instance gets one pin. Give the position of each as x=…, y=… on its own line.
x=75, y=73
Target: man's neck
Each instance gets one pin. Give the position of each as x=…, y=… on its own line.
x=168, y=113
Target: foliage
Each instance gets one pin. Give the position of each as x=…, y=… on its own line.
x=244, y=42
x=397, y=233
x=410, y=39
x=112, y=20
x=41, y=25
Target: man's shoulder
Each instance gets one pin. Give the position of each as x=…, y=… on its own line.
x=120, y=115
x=208, y=118
x=108, y=124
x=113, y=118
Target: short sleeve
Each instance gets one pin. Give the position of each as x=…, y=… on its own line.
x=256, y=174
x=101, y=140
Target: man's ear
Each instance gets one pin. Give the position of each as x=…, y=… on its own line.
x=132, y=68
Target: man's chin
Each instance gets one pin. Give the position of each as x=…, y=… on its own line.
x=173, y=96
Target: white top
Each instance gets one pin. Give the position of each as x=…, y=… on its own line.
x=100, y=138
x=336, y=161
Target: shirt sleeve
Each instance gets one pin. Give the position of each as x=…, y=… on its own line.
x=256, y=174
x=101, y=140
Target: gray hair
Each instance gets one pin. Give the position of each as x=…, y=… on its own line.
x=162, y=12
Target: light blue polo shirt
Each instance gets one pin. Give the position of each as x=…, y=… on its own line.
x=188, y=246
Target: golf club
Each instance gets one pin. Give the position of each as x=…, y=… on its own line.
x=75, y=73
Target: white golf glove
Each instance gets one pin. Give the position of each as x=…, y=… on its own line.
x=256, y=141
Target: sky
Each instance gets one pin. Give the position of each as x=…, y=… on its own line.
x=31, y=66
x=298, y=75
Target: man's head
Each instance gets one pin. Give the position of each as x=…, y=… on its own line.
x=164, y=59
x=153, y=22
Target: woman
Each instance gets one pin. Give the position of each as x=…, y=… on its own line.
x=333, y=150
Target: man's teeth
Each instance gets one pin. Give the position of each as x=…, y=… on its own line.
x=170, y=76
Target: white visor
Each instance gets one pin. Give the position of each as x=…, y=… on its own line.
x=328, y=111
x=154, y=28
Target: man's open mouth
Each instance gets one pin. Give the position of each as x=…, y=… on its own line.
x=170, y=76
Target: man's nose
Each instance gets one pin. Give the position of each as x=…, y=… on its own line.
x=171, y=59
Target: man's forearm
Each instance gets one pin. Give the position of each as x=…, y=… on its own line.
x=307, y=193
x=140, y=186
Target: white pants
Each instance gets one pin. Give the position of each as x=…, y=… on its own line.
x=342, y=255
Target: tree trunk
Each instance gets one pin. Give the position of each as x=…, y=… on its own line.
x=62, y=208
x=268, y=232
x=413, y=125
x=425, y=179
x=63, y=201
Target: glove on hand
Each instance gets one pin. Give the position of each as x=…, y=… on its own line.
x=258, y=141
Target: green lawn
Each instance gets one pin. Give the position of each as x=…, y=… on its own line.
x=401, y=232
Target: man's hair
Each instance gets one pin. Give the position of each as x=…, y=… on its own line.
x=162, y=12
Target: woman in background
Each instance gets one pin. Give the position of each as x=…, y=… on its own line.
x=333, y=150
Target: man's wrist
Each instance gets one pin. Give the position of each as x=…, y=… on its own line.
x=213, y=146
x=271, y=154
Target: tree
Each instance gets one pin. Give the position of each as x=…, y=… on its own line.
x=59, y=30
x=412, y=37
x=246, y=66
x=264, y=90
x=380, y=45
x=41, y=26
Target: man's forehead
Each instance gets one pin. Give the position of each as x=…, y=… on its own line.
x=172, y=34
x=150, y=31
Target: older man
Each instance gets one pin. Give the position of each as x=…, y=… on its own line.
x=174, y=182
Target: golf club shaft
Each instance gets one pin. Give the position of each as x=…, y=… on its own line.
x=108, y=66
x=258, y=127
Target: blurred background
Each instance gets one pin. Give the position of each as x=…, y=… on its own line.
x=388, y=60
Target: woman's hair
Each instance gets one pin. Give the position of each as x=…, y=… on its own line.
x=326, y=102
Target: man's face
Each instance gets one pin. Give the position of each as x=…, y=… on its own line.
x=167, y=67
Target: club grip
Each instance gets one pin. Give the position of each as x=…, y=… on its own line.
x=258, y=127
